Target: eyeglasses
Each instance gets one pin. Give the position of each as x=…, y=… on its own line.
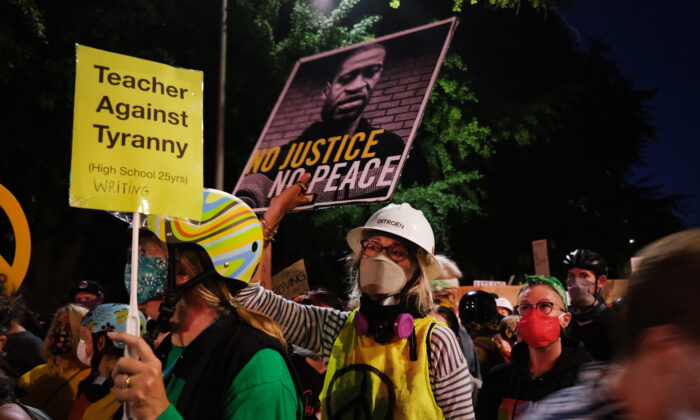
x=544, y=307
x=395, y=251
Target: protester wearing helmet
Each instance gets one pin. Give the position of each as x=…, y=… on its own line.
x=219, y=360
x=657, y=375
x=477, y=312
x=95, y=393
x=504, y=307
x=543, y=362
x=593, y=321
x=387, y=359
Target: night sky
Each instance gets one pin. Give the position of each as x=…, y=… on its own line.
x=656, y=44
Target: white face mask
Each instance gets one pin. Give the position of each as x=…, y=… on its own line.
x=379, y=275
x=81, y=352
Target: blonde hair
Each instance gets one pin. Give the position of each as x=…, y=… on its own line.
x=419, y=296
x=75, y=316
x=217, y=293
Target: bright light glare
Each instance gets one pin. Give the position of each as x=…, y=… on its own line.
x=324, y=6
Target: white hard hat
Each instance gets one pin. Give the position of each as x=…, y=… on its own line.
x=405, y=222
x=504, y=303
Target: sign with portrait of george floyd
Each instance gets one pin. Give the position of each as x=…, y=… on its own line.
x=347, y=117
x=137, y=136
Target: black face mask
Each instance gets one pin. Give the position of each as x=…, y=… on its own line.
x=95, y=392
x=383, y=322
x=381, y=318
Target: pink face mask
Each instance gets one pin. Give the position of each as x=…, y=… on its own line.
x=538, y=329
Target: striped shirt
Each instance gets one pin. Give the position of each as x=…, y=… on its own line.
x=316, y=329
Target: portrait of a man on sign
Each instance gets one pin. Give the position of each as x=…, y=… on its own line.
x=347, y=117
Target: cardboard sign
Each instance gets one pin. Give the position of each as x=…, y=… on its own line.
x=292, y=281
x=614, y=289
x=541, y=257
x=347, y=117
x=635, y=262
x=137, y=136
x=489, y=283
x=16, y=271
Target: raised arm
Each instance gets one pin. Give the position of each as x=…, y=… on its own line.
x=311, y=327
x=291, y=197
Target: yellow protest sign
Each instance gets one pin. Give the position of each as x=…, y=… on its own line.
x=137, y=136
x=15, y=272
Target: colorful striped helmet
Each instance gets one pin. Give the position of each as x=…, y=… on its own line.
x=110, y=317
x=228, y=230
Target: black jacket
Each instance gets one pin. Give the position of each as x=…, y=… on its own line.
x=510, y=385
x=597, y=329
x=210, y=363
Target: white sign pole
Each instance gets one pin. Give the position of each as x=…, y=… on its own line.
x=133, y=325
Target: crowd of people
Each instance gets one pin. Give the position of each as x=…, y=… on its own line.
x=404, y=344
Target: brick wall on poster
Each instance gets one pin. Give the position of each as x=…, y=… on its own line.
x=394, y=104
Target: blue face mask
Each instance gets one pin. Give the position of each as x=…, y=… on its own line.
x=152, y=277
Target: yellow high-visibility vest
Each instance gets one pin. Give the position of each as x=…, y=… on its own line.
x=369, y=380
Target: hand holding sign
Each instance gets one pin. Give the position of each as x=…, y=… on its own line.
x=292, y=197
x=137, y=147
x=139, y=382
x=347, y=117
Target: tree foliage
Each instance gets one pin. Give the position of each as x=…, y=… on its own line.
x=442, y=177
x=313, y=32
x=526, y=135
x=457, y=5
x=569, y=128
x=37, y=78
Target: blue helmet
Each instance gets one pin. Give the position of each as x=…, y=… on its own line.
x=111, y=317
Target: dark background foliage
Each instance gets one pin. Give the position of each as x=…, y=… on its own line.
x=527, y=135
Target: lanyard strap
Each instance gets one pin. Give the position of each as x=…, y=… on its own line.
x=60, y=387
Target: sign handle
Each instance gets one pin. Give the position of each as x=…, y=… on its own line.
x=133, y=325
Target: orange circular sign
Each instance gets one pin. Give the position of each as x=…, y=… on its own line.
x=16, y=271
